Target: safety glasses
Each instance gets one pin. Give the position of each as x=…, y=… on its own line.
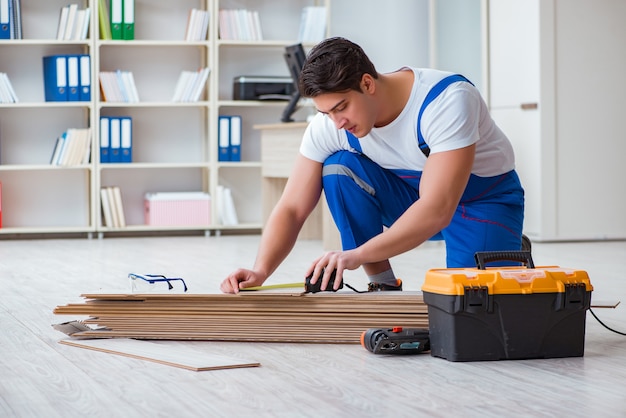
x=140, y=283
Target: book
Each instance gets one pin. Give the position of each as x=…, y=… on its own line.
x=239, y=25
x=7, y=94
x=190, y=85
x=227, y=214
x=312, y=24
x=72, y=147
x=118, y=86
x=112, y=207
x=107, y=215
x=197, y=25
x=119, y=207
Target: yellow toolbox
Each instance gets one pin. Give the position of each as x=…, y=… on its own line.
x=501, y=313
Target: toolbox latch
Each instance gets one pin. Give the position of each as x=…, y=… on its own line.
x=477, y=300
x=575, y=297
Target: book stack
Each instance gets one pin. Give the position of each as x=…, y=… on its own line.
x=10, y=19
x=190, y=85
x=118, y=86
x=197, y=25
x=73, y=23
x=312, y=24
x=239, y=25
x=72, y=148
x=67, y=78
x=116, y=139
x=7, y=94
x=112, y=208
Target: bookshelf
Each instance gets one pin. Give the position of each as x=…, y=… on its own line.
x=174, y=144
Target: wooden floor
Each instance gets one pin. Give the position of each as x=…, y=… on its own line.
x=41, y=378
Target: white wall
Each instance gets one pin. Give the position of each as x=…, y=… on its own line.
x=392, y=33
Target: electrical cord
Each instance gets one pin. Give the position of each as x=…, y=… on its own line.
x=604, y=325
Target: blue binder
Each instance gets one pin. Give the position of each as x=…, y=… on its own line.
x=235, y=138
x=85, y=78
x=105, y=139
x=223, y=135
x=126, y=139
x=73, y=78
x=55, y=78
x=115, y=142
x=5, y=19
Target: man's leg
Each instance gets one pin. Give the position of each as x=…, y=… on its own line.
x=489, y=218
x=363, y=198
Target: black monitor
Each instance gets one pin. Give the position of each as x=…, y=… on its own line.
x=294, y=57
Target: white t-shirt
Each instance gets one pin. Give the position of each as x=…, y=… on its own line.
x=457, y=118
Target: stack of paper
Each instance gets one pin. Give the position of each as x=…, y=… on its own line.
x=240, y=25
x=197, y=25
x=7, y=94
x=118, y=86
x=190, y=85
x=73, y=147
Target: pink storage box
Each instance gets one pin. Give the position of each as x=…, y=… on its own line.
x=177, y=209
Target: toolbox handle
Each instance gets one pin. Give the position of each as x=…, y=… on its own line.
x=484, y=257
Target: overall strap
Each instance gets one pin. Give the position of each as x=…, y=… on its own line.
x=354, y=142
x=432, y=95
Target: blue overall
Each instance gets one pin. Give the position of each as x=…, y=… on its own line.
x=364, y=197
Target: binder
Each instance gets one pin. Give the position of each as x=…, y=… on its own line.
x=55, y=78
x=73, y=88
x=115, y=140
x=128, y=27
x=5, y=19
x=116, y=19
x=104, y=22
x=223, y=135
x=235, y=138
x=126, y=135
x=85, y=78
x=105, y=138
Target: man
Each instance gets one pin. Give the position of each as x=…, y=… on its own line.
x=402, y=157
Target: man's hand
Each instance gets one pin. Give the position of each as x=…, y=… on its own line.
x=240, y=279
x=333, y=260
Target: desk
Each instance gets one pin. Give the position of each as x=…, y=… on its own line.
x=280, y=144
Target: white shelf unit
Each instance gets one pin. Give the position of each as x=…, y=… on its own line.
x=174, y=144
x=36, y=196
x=280, y=22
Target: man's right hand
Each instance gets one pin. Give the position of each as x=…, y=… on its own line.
x=240, y=279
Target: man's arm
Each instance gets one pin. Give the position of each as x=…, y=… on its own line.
x=443, y=182
x=298, y=200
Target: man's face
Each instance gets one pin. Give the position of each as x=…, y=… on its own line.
x=351, y=110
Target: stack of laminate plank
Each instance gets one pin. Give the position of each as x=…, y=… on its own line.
x=259, y=316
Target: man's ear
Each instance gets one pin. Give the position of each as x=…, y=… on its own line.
x=368, y=84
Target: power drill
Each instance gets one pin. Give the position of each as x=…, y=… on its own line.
x=396, y=340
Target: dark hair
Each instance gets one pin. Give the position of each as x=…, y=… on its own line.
x=334, y=65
